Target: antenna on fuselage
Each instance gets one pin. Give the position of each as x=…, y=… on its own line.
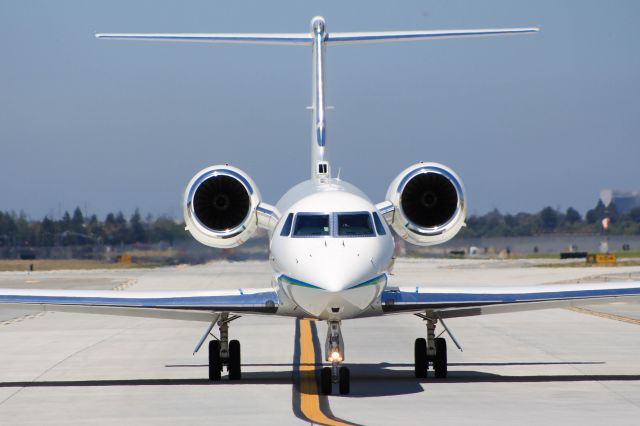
x=318, y=37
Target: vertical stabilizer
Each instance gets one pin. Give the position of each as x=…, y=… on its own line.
x=320, y=167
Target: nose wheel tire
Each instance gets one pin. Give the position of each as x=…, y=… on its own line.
x=420, y=354
x=234, y=360
x=215, y=362
x=325, y=381
x=440, y=361
x=345, y=381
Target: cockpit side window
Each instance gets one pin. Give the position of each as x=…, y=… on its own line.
x=354, y=225
x=286, y=228
x=311, y=225
x=378, y=222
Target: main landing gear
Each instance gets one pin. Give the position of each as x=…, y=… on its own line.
x=223, y=352
x=431, y=351
x=334, y=353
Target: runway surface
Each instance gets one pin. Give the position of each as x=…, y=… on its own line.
x=547, y=367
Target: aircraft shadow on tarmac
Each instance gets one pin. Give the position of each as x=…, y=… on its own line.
x=368, y=380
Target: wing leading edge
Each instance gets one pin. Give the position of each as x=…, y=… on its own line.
x=182, y=305
x=454, y=302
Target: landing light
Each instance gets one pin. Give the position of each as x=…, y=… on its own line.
x=335, y=357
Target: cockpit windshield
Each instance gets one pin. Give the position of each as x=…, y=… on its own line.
x=337, y=225
x=354, y=225
x=311, y=225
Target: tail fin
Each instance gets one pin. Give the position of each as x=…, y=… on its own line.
x=318, y=37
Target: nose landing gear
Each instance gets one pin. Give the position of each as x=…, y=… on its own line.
x=334, y=353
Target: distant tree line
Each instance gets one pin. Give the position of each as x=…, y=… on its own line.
x=17, y=230
x=550, y=220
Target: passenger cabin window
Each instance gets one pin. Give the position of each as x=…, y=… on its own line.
x=311, y=225
x=286, y=228
x=355, y=225
x=378, y=222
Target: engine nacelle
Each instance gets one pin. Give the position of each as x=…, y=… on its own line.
x=220, y=206
x=429, y=204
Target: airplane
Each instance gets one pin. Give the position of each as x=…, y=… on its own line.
x=331, y=248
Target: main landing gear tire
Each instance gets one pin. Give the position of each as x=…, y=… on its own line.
x=215, y=362
x=420, y=354
x=440, y=361
x=234, y=360
x=325, y=381
x=345, y=381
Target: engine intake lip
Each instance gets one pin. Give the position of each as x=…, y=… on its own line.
x=426, y=228
x=221, y=201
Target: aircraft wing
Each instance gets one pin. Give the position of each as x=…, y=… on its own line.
x=453, y=302
x=181, y=305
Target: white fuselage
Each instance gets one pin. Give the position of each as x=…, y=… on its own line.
x=337, y=269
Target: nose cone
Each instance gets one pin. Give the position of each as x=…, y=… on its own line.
x=335, y=278
x=335, y=268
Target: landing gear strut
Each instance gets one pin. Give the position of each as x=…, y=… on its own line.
x=334, y=353
x=431, y=351
x=223, y=352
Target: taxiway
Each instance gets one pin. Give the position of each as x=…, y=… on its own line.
x=556, y=366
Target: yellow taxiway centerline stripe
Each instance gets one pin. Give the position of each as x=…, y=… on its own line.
x=309, y=398
x=605, y=315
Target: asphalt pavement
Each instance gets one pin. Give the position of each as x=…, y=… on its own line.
x=544, y=367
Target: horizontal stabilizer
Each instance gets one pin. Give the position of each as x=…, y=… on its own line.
x=306, y=38
x=371, y=37
x=291, y=38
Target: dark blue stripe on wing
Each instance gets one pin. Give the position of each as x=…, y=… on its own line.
x=255, y=299
x=480, y=298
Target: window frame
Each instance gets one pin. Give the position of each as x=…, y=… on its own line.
x=379, y=223
x=295, y=222
x=337, y=228
x=333, y=225
x=288, y=223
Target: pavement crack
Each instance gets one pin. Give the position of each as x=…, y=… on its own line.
x=63, y=360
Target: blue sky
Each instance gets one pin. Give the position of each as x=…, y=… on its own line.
x=527, y=121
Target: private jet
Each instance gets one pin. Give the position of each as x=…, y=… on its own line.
x=331, y=248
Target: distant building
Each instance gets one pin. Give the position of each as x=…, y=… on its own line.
x=624, y=201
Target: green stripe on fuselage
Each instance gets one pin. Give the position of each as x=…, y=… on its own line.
x=372, y=281
x=299, y=283
x=293, y=281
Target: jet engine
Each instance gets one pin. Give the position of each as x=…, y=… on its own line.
x=220, y=205
x=428, y=204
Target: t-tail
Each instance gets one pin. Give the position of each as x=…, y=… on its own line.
x=318, y=38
